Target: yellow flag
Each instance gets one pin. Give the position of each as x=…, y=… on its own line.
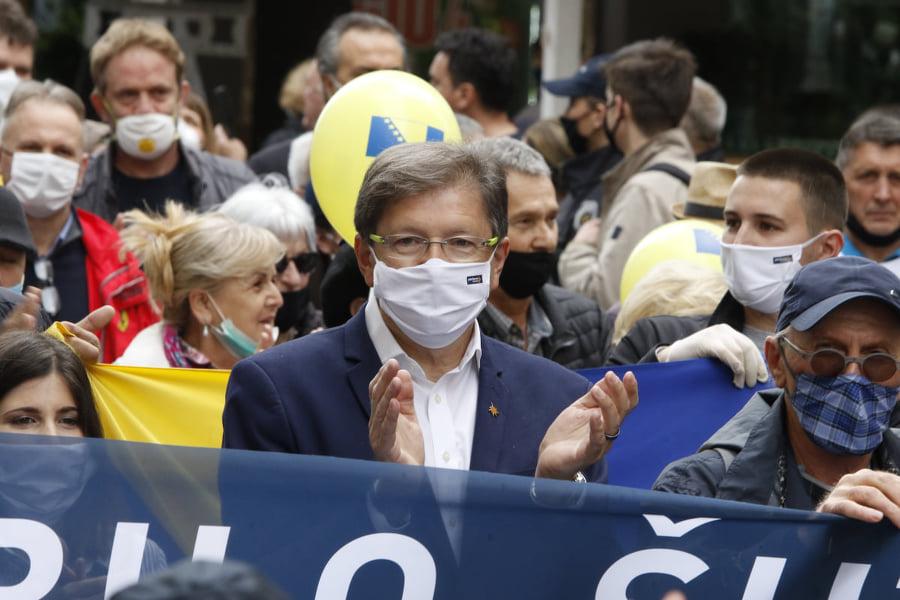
x=179, y=407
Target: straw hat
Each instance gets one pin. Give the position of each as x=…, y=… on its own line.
x=707, y=191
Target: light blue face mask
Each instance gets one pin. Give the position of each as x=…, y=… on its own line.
x=19, y=287
x=230, y=337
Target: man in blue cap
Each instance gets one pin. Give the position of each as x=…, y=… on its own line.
x=583, y=123
x=823, y=440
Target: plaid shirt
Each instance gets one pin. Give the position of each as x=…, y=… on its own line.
x=538, y=326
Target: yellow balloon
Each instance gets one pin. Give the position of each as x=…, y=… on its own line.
x=369, y=114
x=694, y=240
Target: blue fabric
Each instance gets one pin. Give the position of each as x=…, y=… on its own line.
x=306, y=520
x=851, y=250
x=847, y=414
x=681, y=405
x=310, y=396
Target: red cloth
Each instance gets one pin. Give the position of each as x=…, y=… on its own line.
x=117, y=281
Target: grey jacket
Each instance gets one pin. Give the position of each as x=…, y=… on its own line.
x=213, y=180
x=739, y=462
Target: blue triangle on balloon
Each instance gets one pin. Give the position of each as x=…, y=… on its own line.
x=706, y=242
x=383, y=134
x=433, y=134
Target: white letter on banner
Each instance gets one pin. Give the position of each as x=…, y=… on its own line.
x=45, y=553
x=664, y=527
x=211, y=543
x=614, y=582
x=764, y=578
x=414, y=559
x=126, y=556
x=849, y=581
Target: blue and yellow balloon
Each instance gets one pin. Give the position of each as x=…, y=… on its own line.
x=693, y=240
x=366, y=116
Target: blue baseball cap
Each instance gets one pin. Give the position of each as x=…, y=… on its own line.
x=822, y=286
x=588, y=80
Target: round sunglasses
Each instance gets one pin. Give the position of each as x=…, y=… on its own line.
x=830, y=362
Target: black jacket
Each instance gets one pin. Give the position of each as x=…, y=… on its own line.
x=640, y=343
x=580, y=337
x=582, y=180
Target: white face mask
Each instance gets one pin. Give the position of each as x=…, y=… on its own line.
x=189, y=136
x=757, y=276
x=145, y=136
x=435, y=302
x=43, y=182
x=8, y=82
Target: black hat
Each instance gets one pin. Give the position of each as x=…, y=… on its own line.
x=822, y=286
x=588, y=80
x=13, y=227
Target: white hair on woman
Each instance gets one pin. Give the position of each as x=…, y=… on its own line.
x=675, y=287
x=275, y=208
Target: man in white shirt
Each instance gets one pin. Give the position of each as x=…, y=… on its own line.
x=411, y=379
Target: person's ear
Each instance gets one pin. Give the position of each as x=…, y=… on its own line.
x=100, y=107
x=832, y=244
x=598, y=115
x=464, y=96
x=365, y=260
x=185, y=92
x=201, y=308
x=498, y=261
x=775, y=362
x=82, y=168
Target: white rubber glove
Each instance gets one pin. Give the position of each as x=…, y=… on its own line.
x=721, y=342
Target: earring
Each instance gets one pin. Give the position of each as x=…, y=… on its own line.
x=205, y=330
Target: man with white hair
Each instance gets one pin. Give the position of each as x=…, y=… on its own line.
x=704, y=121
x=525, y=310
x=286, y=215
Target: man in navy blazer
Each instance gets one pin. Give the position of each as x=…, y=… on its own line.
x=410, y=378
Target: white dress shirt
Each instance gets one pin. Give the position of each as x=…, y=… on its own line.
x=445, y=408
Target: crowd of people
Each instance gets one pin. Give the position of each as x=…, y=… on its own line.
x=483, y=273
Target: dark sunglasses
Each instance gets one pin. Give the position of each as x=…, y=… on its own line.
x=305, y=262
x=829, y=362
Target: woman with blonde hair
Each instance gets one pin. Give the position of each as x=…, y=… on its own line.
x=213, y=278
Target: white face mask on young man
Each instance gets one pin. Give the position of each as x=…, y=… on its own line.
x=757, y=276
x=435, y=302
x=43, y=182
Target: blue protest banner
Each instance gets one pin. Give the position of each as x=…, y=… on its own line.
x=681, y=405
x=101, y=514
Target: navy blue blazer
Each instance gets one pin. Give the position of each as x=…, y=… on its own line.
x=310, y=396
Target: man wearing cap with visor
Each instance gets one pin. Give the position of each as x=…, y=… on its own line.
x=583, y=123
x=822, y=441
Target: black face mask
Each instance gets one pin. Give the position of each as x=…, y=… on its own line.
x=878, y=241
x=294, y=307
x=524, y=273
x=577, y=142
x=611, y=133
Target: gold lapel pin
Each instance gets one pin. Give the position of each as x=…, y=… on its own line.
x=495, y=412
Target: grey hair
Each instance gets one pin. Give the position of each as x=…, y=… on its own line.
x=706, y=114
x=513, y=155
x=48, y=91
x=408, y=170
x=277, y=209
x=874, y=126
x=327, y=48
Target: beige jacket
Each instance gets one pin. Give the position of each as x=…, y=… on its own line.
x=640, y=202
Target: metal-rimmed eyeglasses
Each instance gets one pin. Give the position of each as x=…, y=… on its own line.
x=50, y=300
x=831, y=362
x=460, y=248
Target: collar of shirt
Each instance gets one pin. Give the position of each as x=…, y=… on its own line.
x=70, y=231
x=387, y=347
x=851, y=250
x=539, y=326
